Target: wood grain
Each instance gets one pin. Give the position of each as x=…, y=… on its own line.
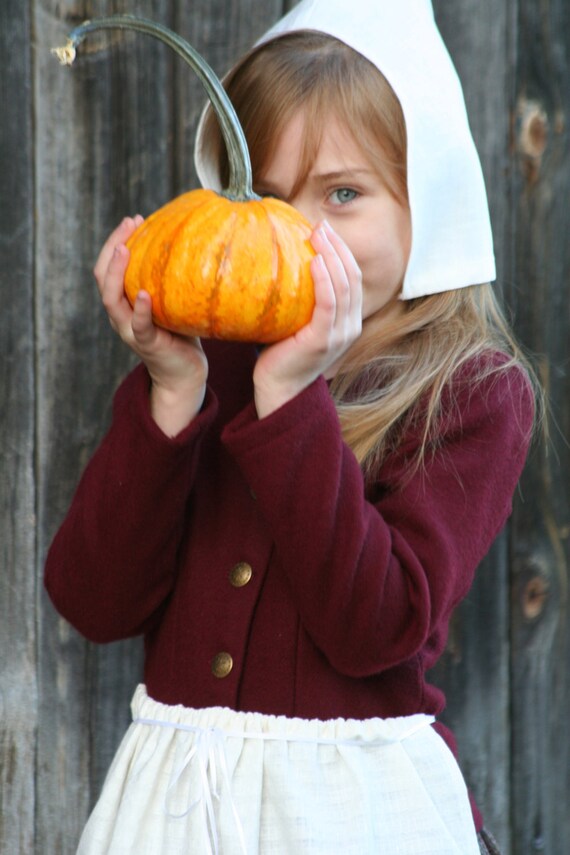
x=540, y=611
x=18, y=671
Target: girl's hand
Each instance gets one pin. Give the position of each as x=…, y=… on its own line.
x=176, y=364
x=287, y=367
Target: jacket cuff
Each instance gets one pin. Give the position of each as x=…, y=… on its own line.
x=248, y=432
x=133, y=400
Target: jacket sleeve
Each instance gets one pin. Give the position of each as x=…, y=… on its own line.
x=112, y=563
x=373, y=581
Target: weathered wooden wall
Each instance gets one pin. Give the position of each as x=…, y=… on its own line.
x=80, y=148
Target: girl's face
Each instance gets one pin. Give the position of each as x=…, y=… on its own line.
x=343, y=188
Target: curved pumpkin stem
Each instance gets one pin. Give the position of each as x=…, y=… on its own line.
x=240, y=183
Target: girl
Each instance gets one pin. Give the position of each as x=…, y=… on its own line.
x=291, y=529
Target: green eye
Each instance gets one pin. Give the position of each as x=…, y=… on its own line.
x=343, y=195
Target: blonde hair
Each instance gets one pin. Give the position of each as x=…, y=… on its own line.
x=393, y=377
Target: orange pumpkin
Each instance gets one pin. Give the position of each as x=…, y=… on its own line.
x=229, y=265
x=224, y=269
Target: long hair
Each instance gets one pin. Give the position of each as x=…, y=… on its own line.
x=396, y=372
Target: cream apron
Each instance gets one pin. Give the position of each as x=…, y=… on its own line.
x=219, y=782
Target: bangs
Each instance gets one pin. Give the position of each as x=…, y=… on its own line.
x=323, y=78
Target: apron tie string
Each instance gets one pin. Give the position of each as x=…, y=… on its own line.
x=209, y=751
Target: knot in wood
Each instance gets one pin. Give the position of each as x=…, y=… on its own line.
x=534, y=598
x=533, y=136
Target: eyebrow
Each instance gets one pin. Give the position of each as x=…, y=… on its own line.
x=336, y=175
x=340, y=174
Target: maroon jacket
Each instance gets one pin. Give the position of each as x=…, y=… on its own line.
x=351, y=589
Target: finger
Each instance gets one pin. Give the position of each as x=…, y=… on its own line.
x=112, y=289
x=324, y=313
x=342, y=250
x=338, y=275
x=120, y=235
x=350, y=266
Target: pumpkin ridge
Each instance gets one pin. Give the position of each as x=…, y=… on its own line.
x=271, y=307
x=223, y=254
x=180, y=227
x=148, y=260
x=171, y=241
x=154, y=254
x=290, y=299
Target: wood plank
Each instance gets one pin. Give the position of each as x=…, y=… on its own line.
x=103, y=151
x=474, y=671
x=541, y=640
x=18, y=681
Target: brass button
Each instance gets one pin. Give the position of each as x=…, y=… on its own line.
x=222, y=664
x=241, y=574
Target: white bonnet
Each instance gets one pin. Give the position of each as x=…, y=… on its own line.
x=452, y=244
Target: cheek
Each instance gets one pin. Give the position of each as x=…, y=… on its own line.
x=383, y=262
x=382, y=275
